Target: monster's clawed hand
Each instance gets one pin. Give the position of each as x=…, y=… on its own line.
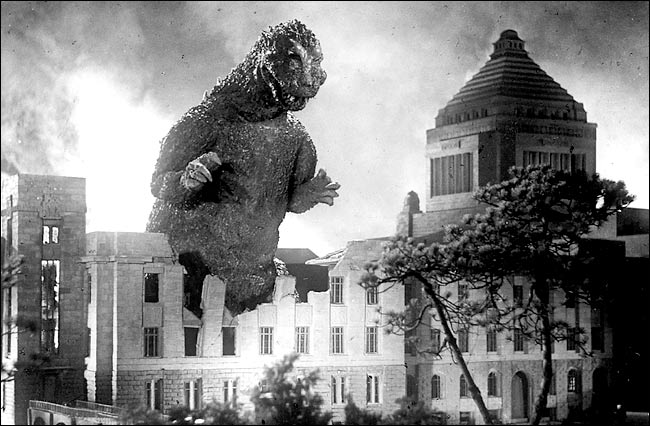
x=199, y=171
x=320, y=189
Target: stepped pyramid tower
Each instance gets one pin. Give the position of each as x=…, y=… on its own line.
x=510, y=113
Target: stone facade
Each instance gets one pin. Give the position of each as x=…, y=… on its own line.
x=506, y=362
x=509, y=114
x=31, y=207
x=119, y=373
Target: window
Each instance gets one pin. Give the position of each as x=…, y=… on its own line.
x=557, y=160
x=336, y=290
x=192, y=394
x=463, y=340
x=338, y=390
x=88, y=341
x=495, y=415
x=230, y=391
x=154, y=394
x=451, y=174
x=435, y=340
x=89, y=279
x=518, y=340
x=410, y=346
x=50, y=234
x=228, y=336
x=491, y=340
x=264, y=386
x=151, y=342
x=463, y=292
x=553, y=388
x=50, y=273
x=493, y=385
x=411, y=387
x=597, y=339
x=372, y=295
x=436, y=390
x=409, y=292
x=266, y=340
x=465, y=417
x=337, y=340
x=371, y=340
x=569, y=300
x=571, y=338
x=302, y=340
x=151, y=288
x=573, y=381
x=464, y=391
x=7, y=294
x=518, y=294
x=578, y=162
x=191, y=339
x=372, y=389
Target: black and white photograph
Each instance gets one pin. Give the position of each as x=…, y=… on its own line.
x=293, y=212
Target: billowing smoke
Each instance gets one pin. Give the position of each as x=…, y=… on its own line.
x=89, y=88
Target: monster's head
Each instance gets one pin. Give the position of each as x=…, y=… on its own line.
x=288, y=59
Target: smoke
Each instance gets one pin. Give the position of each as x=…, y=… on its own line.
x=88, y=81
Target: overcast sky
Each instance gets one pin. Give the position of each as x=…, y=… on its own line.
x=90, y=88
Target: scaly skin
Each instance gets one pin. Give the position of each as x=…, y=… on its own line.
x=232, y=167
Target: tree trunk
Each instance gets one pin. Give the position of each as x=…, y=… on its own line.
x=542, y=293
x=471, y=385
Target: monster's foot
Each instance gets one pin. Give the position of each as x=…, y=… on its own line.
x=199, y=171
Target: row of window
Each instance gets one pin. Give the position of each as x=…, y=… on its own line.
x=193, y=391
x=466, y=116
x=518, y=339
x=411, y=291
x=50, y=234
x=152, y=289
x=152, y=340
x=336, y=292
x=454, y=174
x=451, y=174
x=557, y=160
x=338, y=392
x=494, y=386
x=556, y=114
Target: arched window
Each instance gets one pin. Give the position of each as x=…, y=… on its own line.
x=463, y=386
x=493, y=387
x=573, y=381
x=436, y=392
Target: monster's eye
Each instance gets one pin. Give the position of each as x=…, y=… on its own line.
x=295, y=59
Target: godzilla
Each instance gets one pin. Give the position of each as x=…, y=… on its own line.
x=232, y=167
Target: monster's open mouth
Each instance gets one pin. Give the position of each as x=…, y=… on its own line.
x=287, y=100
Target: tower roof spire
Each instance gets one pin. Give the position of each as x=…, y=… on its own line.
x=508, y=43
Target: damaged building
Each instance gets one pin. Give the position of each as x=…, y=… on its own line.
x=124, y=326
x=148, y=346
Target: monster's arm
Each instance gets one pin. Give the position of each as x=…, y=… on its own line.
x=184, y=166
x=309, y=190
